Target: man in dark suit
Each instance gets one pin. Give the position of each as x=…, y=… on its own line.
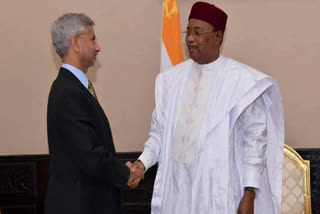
x=85, y=176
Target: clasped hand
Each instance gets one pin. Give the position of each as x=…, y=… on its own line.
x=136, y=173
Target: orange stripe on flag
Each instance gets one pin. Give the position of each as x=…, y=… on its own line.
x=171, y=33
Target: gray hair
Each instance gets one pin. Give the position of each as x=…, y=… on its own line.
x=65, y=27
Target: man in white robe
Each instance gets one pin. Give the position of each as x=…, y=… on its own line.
x=217, y=130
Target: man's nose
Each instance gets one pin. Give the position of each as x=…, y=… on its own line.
x=190, y=38
x=98, y=48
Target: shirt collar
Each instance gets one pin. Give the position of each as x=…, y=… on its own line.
x=210, y=66
x=78, y=73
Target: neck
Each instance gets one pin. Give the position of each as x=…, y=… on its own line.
x=214, y=58
x=209, y=59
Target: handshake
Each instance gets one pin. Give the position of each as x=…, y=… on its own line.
x=136, y=173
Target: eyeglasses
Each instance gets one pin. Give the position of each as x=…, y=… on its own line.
x=196, y=33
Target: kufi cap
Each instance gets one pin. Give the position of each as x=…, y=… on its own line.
x=210, y=14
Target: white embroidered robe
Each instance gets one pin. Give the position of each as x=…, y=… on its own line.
x=211, y=179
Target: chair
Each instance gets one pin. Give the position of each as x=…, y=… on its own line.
x=296, y=198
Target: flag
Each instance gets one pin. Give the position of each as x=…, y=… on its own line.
x=171, y=44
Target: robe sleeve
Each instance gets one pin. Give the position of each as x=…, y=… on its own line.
x=152, y=146
x=253, y=123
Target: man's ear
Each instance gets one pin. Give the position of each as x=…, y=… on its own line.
x=75, y=43
x=219, y=37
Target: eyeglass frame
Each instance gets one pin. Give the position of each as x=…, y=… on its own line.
x=197, y=33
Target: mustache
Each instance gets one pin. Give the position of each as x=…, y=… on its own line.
x=192, y=46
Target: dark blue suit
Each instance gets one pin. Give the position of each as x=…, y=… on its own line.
x=85, y=176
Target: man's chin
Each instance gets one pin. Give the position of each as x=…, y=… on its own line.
x=194, y=57
x=93, y=62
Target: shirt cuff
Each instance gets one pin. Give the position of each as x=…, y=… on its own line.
x=146, y=158
x=252, y=177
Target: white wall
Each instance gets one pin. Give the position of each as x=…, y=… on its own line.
x=279, y=38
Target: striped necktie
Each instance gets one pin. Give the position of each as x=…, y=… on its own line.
x=91, y=90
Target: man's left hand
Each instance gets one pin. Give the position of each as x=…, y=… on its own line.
x=246, y=205
x=138, y=169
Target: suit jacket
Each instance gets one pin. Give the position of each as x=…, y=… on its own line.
x=85, y=176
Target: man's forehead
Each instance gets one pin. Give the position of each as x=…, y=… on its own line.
x=89, y=29
x=197, y=23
